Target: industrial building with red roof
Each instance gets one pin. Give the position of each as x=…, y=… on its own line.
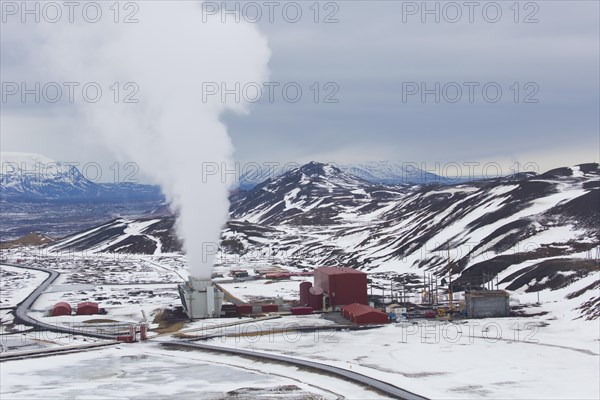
x=341, y=286
x=364, y=314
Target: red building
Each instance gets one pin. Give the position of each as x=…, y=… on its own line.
x=87, y=308
x=244, y=309
x=61, y=308
x=301, y=310
x=341, y=286
x=363, y=314
x=270, y=308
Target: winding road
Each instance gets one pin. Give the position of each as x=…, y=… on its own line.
x=22, y=309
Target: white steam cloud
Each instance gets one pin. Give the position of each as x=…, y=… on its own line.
x=171, y=131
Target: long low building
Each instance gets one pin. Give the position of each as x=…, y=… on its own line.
x=364, y=314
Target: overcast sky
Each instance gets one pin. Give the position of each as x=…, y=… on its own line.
x=374, y=58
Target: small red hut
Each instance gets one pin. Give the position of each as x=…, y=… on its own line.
x=61, y=308
x=87, y=308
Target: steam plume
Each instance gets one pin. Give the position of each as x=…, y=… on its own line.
x=171, y=132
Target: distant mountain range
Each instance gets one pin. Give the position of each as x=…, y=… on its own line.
x=382, y=172
x=395, y=173
x=33, y=177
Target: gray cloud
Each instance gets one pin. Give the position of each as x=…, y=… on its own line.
x=368, y=54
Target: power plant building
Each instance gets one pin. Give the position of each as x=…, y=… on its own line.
x=340, y=286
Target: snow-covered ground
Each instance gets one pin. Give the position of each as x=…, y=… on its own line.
x=259, y=289
x=143, y=371
x=31, y=340
x=17, y=283
x=435, y=361
x=516, y=357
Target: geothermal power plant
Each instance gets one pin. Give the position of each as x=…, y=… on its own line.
x=335, y=289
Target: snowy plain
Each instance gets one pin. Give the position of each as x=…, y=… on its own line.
x=516, y=357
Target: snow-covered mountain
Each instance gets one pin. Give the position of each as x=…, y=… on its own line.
x=532, y=232
x=27, y=175
x=379, y=172
x=34, y=177
x=314, y=194
x=393, y=173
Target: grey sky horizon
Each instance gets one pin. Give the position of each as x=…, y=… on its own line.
x=370, y=55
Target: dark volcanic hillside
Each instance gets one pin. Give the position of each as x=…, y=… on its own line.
x=145, y=236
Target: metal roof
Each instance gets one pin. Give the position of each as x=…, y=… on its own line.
x=360, y=309
x=339, y=270
x=487, y=293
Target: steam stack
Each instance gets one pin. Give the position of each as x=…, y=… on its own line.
x=201, y=299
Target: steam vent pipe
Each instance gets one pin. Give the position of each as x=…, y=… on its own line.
x=200, y=299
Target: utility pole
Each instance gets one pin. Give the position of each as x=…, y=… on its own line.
x=450, y=281
x=402, y=294
x=424, y=288
x=430, y=289
x=483, y=280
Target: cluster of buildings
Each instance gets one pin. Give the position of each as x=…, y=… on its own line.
x=335, y=289
x=343, y=290
x=84, y=308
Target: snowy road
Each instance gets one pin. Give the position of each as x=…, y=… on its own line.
x=383, y=387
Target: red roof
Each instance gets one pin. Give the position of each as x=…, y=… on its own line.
x=87, y=308
x=339, y=270
x=363, y=314
x=87, y=303
x=360, y=309
x=357, y=309
x=61, y=308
